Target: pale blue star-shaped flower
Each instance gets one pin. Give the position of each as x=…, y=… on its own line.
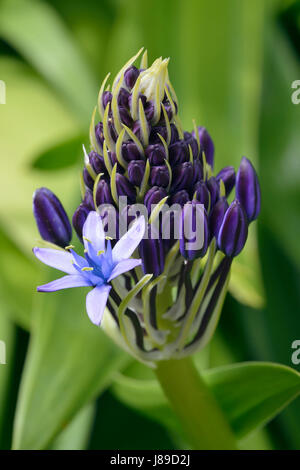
x=100, y=265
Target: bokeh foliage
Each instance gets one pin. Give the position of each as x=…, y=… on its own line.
x=232, y=64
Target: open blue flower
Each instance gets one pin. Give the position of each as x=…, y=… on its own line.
x=99, y=266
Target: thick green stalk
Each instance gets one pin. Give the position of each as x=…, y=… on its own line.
x=192, y=401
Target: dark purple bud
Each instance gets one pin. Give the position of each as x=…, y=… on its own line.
x=169, y=110
x=156, y=154
x=97, y=162
x=123, y=98
x=125, y=116
x=202, y=194
x=106, y=98
x=125, y=188
x=194, y=235
x=181, y=198
x=99, y=134
x=190, y=140
x=130, y=151
x=88, y=199
x=114, y=160
x=51, y=218
x=248, y=189
x=227, y=175
x=88, y=180
x=131, y=75
x=174, y=134
x=79, y=217
x=141, y=97
x=216, y=217
x=214, y=190
x=149, y=110
x=206, y=145
x=103, y=194
x=234, y=230
x=136, y=170
x=136, y=129
x=178, y=152
x=198, y=171
x=153, y=196
x=154, y=138
x=182, y=176
x=152, y=253
x=160, y=176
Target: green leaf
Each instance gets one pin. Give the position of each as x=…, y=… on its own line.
x=37, y=32
x=62, y=155
x=18, y=278
x=7, y=335
x=250, y=394
x=69, y=363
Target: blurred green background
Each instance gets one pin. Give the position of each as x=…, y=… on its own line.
x=232, y=65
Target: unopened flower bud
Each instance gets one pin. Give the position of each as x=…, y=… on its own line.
x=216, y=217
x=88, y=199
x=152, y=253
x=227, y=175
x=88, y=180
x=131, y=75
x=178, y=152
x=214, y=190
x=153, y=196
x=156, y=154
x=174, y=134
x=202, y=194
x=248, y=189
x=160, y=176
x=182, y=176
x=123, y=98
x=136, y=170
x=234, y=230
x=79, y=218
x=180, y=197
x=198, y=171
x=97, y=162
x=125, y=116
x=125, y=188
x=154, y=138
x=106, y=98
x=130, y=151
x=51, y=218
x=194, y=236
x=103, y=194
x=191, y=140
x=206, y=145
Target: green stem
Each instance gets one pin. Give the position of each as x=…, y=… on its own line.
x=192, y=401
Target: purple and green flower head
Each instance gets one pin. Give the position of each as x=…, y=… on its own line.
x=184, y=231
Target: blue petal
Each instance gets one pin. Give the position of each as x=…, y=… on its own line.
x=128, y=243
x=79, y=260
x=57, y=259
x=93, y=234
x=123, y=267
x=65, y=282
x=96, y=303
